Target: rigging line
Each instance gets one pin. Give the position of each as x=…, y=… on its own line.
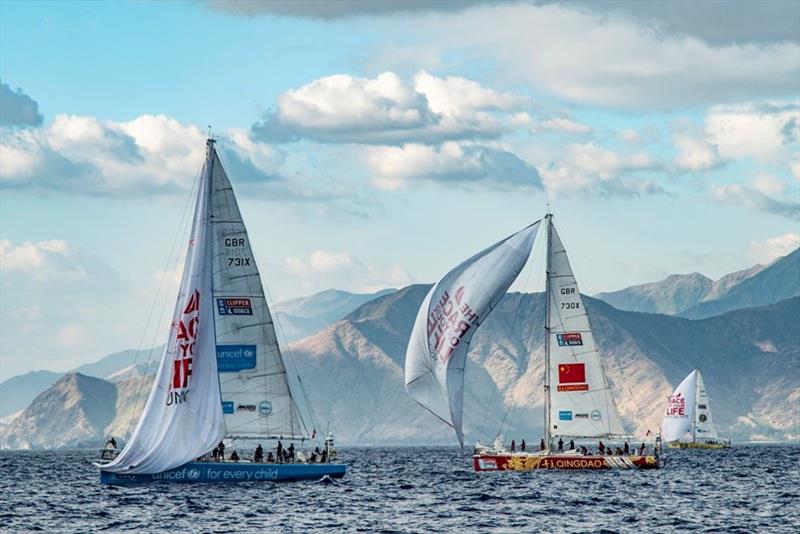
x=181, y=229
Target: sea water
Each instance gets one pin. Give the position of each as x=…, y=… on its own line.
x=418, y=489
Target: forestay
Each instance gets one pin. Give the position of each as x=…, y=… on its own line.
x=182, y=418
x=582, y=404
x=704, y=426
x=256, y=399
x=680, y=411
x=450, y=315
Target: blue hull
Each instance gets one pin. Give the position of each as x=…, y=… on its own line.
x=231, y=472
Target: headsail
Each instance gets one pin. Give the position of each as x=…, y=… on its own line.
x=450, y=315
x=680, y=411
x=581, y=401
x=704, y=426
x=256, y=399
x=182, y=418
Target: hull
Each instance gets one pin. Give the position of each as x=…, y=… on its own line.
x=230, y=472
x=678, y=445
x=529, y=462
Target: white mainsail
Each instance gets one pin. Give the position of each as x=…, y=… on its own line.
x=680, y=411
x=182, y=418
x=221, y=373
x=704, y=426
x=256, y=399
x=581, y=401
x=450, y=315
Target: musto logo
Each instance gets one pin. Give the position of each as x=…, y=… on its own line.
x=185, y=340
x=676, y=406
x=572, y=377
x=448, y=322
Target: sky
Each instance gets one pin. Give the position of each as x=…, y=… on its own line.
x=377, y=144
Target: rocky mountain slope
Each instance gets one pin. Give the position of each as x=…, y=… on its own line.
x=353, y=373
x=749, y=360
x=696, y=296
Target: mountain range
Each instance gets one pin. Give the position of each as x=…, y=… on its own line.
x=696, y=296
x=352, y=367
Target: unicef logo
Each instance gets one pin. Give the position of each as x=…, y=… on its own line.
x=193, y=474
x=265, y=408
x=596, y=415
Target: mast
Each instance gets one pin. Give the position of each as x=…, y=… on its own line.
x=694, y=408
x=547, y=436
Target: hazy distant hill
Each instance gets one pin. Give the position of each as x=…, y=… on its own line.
x=696, y=296
x=17, y=392
x=353, y=372
x=296, y=319
x=778, y=281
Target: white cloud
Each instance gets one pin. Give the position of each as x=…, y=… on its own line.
x=630, y=136
x=765, y=252
x=766, y=132
x=695, y=154
x=393, y=167
x=149, y=154
x=563, y=124
x=72, y=335
x=592, y=58
x=588, y=168
x=325, y=269
x=755, y=199
x=769, y=185
x=42, y=260
x=387, y=110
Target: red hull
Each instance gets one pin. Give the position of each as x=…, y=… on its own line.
x=529, y=462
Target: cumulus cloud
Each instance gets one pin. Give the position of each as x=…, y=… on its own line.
x=590, y=169
x=591, y=58
x=766, y=131
x=42, y=260
x=17, y=108
x=563, y=124
x=695, y=154
x=340, y=269
x=149, y=154
x=387, y=110
x=758, y=197
x=453, y=162
x=771, y=249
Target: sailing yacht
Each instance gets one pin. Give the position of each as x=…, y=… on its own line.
x=578, y=400
x=221, y=375
x=687, y=422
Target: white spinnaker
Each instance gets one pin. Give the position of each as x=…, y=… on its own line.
x=705, y=428
x=256, y=398
x=678, y=415
x=582, y=404
x=450, y=315
x=182, y=418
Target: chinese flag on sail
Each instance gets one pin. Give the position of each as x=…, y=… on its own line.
x=570, y=373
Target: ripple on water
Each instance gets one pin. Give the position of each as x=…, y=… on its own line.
x=744, y=489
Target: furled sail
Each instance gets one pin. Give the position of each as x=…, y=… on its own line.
x=680, y=412
x=182, y=418
x=582, y=404
x=450, y=315
x=704, y=426
x=256, y=399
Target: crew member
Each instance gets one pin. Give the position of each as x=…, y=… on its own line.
x=258, y=457
x=522, y=445
x=513, y=445
x=560, y=445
